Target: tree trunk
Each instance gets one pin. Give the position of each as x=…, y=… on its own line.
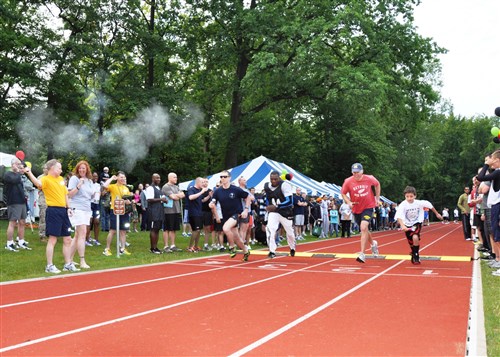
x=236, y=118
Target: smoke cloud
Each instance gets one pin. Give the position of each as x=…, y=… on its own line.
x=131, y=140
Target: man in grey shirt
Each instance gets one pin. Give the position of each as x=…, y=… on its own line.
x=172, y=211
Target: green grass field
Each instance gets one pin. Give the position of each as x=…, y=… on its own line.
x=31, y=264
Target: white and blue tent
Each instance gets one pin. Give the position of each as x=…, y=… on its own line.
x=257, y=173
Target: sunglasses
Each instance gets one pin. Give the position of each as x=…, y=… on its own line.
x=224, y=176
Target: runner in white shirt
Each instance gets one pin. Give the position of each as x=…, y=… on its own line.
x=410, y=215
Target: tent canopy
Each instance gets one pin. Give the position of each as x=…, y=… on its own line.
x=257, y=173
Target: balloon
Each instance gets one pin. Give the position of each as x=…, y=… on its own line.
x=20, y=155
x=496, y=140
x=284, y=172
x=28, y=164
x=289, y=176
x=497, y=111
x=283, y=177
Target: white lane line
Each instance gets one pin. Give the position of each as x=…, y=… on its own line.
x=310, y=314
x=319, y=309
x=148, y=312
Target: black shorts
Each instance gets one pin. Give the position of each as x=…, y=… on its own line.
x=172, y=222
x=217, y=226
x=208, y=218
x=366, y=215
x=155, y=225
x=415, y=231
x=196, y=223
x=476, y=220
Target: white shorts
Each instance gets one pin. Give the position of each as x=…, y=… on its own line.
x=80, y=218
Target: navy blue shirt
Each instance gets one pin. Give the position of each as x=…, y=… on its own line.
x=296, y=208
x=230, y=200
x=14, y=189
x=194, y=206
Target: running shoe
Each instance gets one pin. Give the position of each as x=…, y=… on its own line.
x=192, y=250
x=495, y=265
x=496, y=273
x=245, y=256
x=12, y=247
x=125, y=252
x=271, y=255
x=52, y=269
x=222, y=249
x=88, y=243
x=232, y=252
x=375, y=248
x=415, y=259
x=70, y=267
x=24, y=245
x=292, y=252
x=175, y=249
x=361, y=258
x=206, y=248
x=107, y=252
x=96, y=242
x=155, y=251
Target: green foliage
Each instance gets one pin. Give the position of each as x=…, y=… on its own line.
x=317, y=85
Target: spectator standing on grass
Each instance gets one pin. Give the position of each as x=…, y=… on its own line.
x=299, y=207
x=357, y=192
x=95, y=207
x=118, y=190
x=42, y=208
x=463, y=205
x=493, y=162
x=156, y=198
x=195, y=195
x=144, y=207
x=57, y=215
x=172, y=212
x=334, y=220
x=80, y=192
x=16, y=206
x=345, y=220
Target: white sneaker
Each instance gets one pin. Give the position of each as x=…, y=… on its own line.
x=375, y=248
x=361, y=258
x=496, y=273
x=495, y=265
x=70, y=267
x=12, y=247
x=52, y=269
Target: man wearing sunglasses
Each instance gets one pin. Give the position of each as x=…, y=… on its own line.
x=230, y=199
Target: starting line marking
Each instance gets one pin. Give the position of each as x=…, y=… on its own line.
x=443, y=258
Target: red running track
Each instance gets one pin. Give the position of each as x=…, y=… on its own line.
x=217, y=306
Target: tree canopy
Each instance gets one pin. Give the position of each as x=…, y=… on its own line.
x=197, y=86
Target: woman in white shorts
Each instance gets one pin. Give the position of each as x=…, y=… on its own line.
x=80, y=191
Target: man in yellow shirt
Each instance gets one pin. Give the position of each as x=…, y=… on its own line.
x=57, y=214
x=117, y=190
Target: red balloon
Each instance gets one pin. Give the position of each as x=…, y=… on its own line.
x=20, y=155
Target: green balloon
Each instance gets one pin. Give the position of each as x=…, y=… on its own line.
x=495, y=131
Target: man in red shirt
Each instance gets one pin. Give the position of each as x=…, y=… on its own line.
x=357, y=192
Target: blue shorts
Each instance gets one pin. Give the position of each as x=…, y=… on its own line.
x=96, y=210
x=57, y=222
x=124, y=221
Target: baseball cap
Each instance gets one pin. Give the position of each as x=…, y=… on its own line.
x=357, y=167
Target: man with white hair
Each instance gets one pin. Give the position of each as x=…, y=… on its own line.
x=299, y=205
x=16, y=206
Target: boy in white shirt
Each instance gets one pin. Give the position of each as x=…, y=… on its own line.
x=410, y=215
